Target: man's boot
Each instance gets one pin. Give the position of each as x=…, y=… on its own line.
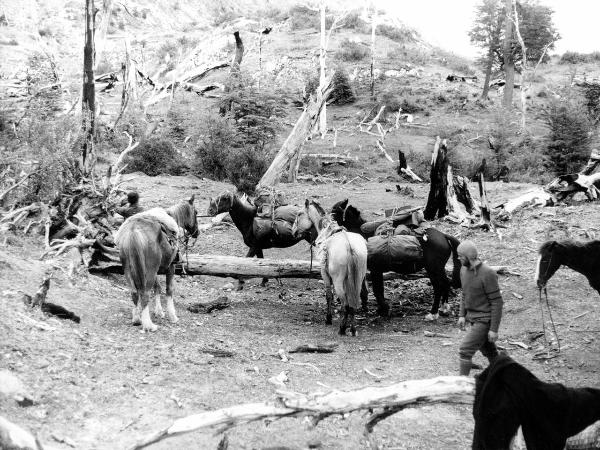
x=464, y=367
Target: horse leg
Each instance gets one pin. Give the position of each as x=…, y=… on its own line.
x=158, y=311
x=240, y=282
x=147, y=324
x=441, y=286
x=383, y=309
x=136, y=318
x=328, y=293
x=259, y=254
x=170, y=305
x=344, y=323
x=364, y=297
x=352, y=321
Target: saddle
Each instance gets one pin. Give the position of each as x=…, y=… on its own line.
x=267, y=201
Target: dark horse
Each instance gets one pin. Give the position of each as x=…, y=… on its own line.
x=148, y=245
x=243, y=214
x=437, y=248
x=583, y=257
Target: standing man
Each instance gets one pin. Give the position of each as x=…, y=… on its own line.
x=481, y=306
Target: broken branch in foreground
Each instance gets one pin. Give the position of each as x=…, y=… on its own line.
x=449, y=389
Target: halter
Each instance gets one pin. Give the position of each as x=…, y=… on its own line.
x=344, y=213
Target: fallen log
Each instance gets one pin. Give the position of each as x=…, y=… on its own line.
x=393, y=398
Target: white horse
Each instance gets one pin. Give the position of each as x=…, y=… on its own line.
x=343, y=258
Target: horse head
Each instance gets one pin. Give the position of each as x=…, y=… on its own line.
x=221, y=203
x=347, y=216
x=186, y=216
x=548, y=263
x=308, y=219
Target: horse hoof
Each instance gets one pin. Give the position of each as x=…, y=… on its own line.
x=353, y=332
x=328, y=320
x=173, y=319
x=151, y=328
x=431, y=317
x=342, y=332
x=136, y=323
x=383, y=312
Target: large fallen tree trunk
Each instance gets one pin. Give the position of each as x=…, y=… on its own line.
x=559, y=189
x=393, y=398
x=292, y=145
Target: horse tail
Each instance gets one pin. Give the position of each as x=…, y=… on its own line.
x=353, y=279
x=454, y=243
x=132, y=251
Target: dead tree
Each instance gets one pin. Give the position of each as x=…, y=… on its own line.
x=509, y=62
x=437, y=202
x=89, y=94
x=302, y=129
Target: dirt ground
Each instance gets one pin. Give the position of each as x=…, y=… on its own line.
x=103, y=384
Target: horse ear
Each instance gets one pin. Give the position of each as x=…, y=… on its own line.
x=344, y=203
x=306, y=203
x=191, y=200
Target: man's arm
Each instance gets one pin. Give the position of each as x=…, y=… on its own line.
x=492, y=292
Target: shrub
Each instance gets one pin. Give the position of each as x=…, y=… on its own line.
x=155, y=156
x=246, y=166
x=49, y=148
x=398, y=34
x=342, y=92
x=302, y=17
x=213, y=149
x=568, y=144
x=592, y=96
x=579, y=58
x=352, y=51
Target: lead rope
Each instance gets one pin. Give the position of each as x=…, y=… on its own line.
x=311, y=264
x=551, y=319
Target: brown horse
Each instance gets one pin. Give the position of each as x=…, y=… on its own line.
x=148, y=245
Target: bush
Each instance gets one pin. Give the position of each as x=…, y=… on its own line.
x=213, y=149
x=354, y=21
x=592, y=97
x=398, y=34
x=352, y=51
x=579, y=58
x=568, y=145
x=246, y=166
x=342, y=92
x=154, y=157
x=49, y=148
x=302, y=17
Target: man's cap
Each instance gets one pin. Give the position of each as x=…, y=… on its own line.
x=133, y=197
x=468, y=249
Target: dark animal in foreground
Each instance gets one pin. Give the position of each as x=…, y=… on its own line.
x=437, y=248
x=259, y=233
x=148, y=245
x=343, y=258
x=583, y=257
x=508, y=396
x=60, y=311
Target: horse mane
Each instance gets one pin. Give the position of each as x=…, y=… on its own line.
x=318, y=207
x=569, y=246
x=180, y=213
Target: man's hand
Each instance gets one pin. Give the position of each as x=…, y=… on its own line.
x=461, y=323
x=492, y=336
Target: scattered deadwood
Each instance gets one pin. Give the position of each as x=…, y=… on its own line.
x=213, y=305
x=39, y=299
x=450, y=389
x=559, y=189
x=486, y=215
x=163, y=91
x=314, y=348
x=331, y=158
x=404, y=168
x=218, y=353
